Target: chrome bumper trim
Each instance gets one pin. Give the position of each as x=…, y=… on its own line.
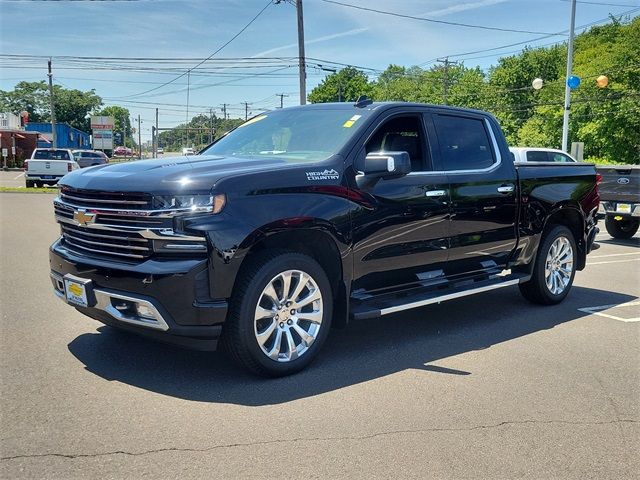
x=103, y=302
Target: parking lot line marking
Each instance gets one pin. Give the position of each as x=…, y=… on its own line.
x=21, y=175
x=613, y=261
x=597, y=311
x=615, y=255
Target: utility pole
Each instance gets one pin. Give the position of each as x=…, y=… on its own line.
x=156, y=139
x=445, y=80
x=281, y=95
x=246, y=111
x=54, y=135
x=224, y=110
x=567, y=90
x=139, y=140
x=187, y=120
x=301, y=56
x=211, y=125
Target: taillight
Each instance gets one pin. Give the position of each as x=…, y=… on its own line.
x=69, y=167
x=598, y=178
x=25, y=165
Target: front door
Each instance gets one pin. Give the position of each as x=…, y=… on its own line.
x=401, y=236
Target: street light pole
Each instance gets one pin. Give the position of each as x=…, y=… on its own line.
x=567, y=89
x=301, y=56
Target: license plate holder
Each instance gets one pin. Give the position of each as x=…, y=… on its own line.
x=623, y=208
x=78, y=291
x=48, y=177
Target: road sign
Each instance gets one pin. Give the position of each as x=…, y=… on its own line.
x=5, y=152
x=102, y=132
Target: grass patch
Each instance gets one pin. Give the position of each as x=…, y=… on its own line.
x=28, y=190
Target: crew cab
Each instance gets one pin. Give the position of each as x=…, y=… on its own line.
x=620, y=199
x=48, y=166
x=310, y=217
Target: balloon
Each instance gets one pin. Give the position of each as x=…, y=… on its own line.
x=602, y=81
x=573, y=82
x=537, y=83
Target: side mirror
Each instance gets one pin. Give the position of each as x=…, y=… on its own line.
x=386, y=164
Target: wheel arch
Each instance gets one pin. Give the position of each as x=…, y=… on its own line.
x=572, y=218
x=316, y=242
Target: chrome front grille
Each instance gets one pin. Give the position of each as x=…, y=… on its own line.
x=122, y=244
x=104, y=224
x=115, y=200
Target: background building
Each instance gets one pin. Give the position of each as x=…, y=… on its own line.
x=67, y=136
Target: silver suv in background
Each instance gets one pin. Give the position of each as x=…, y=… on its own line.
x=88, y=158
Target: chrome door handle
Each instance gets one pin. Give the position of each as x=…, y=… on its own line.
x=436, y=193
x=505, y=189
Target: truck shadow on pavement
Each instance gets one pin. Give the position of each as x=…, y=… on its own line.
x=364, y=351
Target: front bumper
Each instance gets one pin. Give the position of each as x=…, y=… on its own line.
x=172, y=292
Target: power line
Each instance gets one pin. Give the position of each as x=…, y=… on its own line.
x=203, y=61
x=424, y=19
x=492, y=49
x=602, y=3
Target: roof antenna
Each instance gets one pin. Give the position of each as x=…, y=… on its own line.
x=363, y=101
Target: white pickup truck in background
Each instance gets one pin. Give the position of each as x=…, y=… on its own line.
x=48, y=165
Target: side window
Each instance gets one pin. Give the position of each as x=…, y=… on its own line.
x=537, y=156
x=402, y=134
x=559, y=157
x=464, y=143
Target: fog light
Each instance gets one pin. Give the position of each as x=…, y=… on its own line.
x=145, y=311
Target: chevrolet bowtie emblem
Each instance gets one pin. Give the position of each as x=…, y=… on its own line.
x=84, y=218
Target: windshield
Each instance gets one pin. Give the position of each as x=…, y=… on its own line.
x=51, y=155
x=300, y=134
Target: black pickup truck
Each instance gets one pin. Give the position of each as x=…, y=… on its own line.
x=304, y=218
x=620, y=199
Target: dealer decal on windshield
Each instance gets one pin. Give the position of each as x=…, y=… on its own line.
x=324, y=175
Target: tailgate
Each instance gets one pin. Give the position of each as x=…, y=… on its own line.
x=48, y=167
x=620, y=184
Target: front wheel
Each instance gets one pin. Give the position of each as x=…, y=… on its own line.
x=280, y=314
x=554, y=268
x=625, y=228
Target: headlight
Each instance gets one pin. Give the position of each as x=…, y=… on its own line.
x=208, y=203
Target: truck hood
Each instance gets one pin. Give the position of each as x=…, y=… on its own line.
x=192, y=174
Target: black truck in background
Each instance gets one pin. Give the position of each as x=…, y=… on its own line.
x=620, y=199
x=304, y=218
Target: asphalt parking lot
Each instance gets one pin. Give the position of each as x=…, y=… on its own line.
x=484, y=387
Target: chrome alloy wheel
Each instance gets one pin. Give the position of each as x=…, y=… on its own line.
x=558, y=266
x=288, y=316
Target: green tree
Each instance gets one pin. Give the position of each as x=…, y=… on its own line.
x=72, y=106
x=347, y=84
x=32, y=97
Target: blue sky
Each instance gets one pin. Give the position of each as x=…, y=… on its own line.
x=195, y=28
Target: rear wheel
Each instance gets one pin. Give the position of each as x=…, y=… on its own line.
x=554, y=269
x=625, y=228
x=280, y=314
x=29, y=183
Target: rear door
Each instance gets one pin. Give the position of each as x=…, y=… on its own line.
x=401, y=236
x=49, y=164
x=483, y=192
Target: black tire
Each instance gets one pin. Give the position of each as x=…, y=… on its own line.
x=29, y=183
x=625, y=228
x=239, y=336
x=536, y=289
x=37, y=184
